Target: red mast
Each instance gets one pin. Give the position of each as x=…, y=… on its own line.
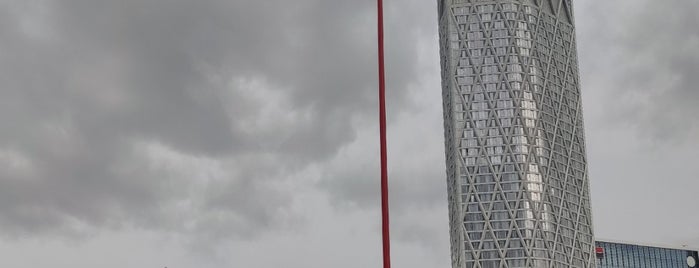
x=382, y=126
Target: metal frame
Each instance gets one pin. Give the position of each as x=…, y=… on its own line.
x=644, y=244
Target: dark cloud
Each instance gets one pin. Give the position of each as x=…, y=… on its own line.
x=257, y=89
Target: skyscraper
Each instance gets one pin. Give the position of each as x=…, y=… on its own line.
x=515, y=148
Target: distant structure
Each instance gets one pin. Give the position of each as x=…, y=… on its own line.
x=515, y=147
x=631, y=255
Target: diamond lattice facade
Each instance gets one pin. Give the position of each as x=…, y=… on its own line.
x=515, y=149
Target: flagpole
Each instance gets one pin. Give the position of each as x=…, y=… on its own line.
x=382, y=126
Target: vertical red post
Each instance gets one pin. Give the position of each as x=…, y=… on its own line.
x=382, y=126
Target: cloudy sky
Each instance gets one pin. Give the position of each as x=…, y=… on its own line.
x=219, y=133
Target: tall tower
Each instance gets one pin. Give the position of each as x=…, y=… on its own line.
x=515, y=147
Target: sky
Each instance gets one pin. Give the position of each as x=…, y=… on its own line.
x=219, y=133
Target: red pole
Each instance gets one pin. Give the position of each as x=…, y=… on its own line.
x=382, y=126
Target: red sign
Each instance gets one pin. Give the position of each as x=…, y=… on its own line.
x=599, y=250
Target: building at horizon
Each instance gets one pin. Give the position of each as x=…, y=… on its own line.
x=517, y=178
x=615, y=254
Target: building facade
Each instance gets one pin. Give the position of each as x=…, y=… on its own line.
x=627, y=255
x=515, y=149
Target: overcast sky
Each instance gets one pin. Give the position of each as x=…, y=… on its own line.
x=243, y=133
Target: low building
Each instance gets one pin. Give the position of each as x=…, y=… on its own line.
x=629, y=255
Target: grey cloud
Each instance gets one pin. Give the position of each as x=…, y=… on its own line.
x=195, y=118
x=638, y=75
x=87, y=83
x=648, y=54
